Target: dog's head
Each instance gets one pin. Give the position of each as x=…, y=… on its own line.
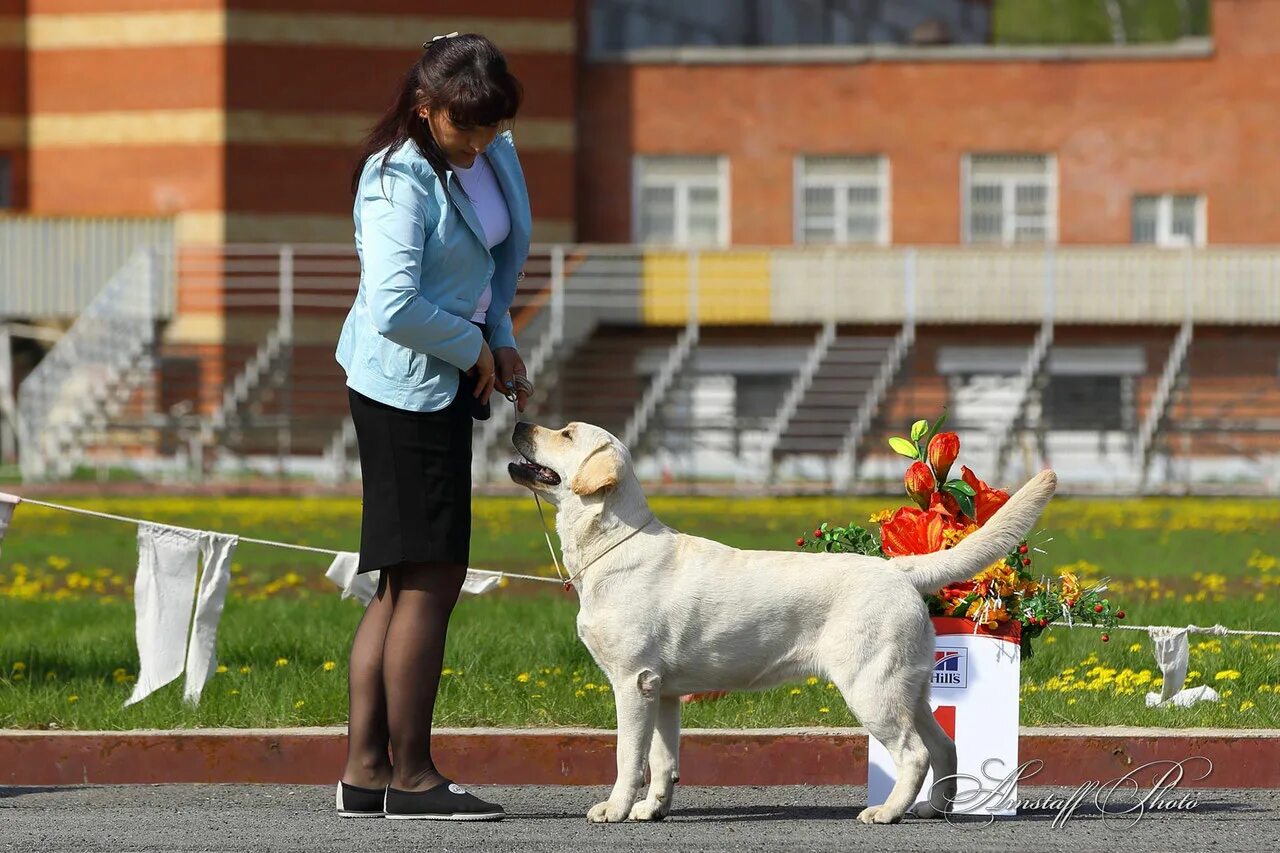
x=579, y=461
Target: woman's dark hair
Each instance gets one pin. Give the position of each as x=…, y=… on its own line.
x=467, y=76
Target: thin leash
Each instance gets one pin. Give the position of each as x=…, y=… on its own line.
x=517, y=384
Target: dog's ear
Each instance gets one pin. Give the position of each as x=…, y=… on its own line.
x=598, y=472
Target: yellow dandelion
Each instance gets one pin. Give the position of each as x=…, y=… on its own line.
x=73, y=698
x=590, y=685
x=540, y=683
x=812, y=680
x=222, y=668
x=796, y=691
x=1246, y=705
x=522, y=677
x=824, y=710
x=233, y=692
x=299, y=703
x=1227, y=675
x=245, y=669
x=1136, y=647
x=448, y=670
x=1264, y=688
x=1071, y=701
x=830, y=686
x=1048, y=640
x=19, y=666
x=579, y=693
x=282, y=661
x=329, y=666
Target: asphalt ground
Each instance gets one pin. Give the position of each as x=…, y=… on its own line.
x=277, y=818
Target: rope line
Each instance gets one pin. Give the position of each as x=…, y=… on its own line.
x=269, y=542
x=1217, y=630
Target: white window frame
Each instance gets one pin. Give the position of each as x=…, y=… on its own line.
x=882, y=181
x=1165, y=238
x=720, y=181
x=1009, y=221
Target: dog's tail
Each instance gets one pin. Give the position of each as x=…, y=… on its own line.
x=1002, y=532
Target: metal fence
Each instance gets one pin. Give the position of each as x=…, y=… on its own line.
x=744, y=365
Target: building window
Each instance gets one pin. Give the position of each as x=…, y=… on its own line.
x=1169, y=221
x=681, y=201
x=6, y=181
x=842, y=200
x=1010, y=198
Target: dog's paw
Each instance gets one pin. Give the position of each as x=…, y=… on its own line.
x=649, y=810
x=606, y=812
x=877, y=814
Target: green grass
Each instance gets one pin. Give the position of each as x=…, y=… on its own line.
x=513, y=654
x=1087, y=22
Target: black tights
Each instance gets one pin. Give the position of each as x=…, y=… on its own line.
x=394, y=674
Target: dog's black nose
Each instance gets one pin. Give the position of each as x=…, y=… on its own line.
x=521, y=429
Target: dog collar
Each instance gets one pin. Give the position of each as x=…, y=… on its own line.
x=568, y=584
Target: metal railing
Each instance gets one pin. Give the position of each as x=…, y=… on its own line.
x=84, y=376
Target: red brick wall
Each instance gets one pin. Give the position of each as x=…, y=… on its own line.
x=1118, y=127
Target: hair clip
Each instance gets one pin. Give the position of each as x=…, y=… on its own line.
x=427, y=44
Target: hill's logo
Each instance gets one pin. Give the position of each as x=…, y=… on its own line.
x=950, y=668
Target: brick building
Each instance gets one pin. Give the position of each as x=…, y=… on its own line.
x=967, y=208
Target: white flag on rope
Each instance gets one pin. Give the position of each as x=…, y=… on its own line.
x=163, y=594
x=8, y=503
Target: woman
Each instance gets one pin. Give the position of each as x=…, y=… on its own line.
x=442, y=230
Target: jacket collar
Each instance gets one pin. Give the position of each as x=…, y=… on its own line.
x=498, y=155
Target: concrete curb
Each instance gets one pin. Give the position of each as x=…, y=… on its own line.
x=1242, y=758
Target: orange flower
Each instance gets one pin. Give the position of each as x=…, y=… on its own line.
x=943, y=450
x=913, y=531
x=987, y=500
x=920, y=483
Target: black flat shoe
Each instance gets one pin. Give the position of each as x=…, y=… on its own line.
x=354, y=801
x=448, y=801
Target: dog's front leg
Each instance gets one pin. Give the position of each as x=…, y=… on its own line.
x=637, y=702
x=664, y=763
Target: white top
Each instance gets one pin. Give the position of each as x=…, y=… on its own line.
x=491, y=208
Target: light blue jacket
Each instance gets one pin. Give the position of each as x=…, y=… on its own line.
x=424, y=265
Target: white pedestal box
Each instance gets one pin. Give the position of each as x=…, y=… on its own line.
x=974, y=693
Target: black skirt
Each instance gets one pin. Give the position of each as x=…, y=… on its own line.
x=416, y=473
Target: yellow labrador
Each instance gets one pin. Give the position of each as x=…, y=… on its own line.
x=664, y=613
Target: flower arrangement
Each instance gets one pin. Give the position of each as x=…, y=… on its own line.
x=945, y=511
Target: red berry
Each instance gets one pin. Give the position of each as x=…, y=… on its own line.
x=1097, y=608
x=1026, y=561
x=1070, y=603
x=1043, y=622
x=1105, y=637
x=1022, y=549
x=1119, y=614
x=800, y=542
x=817, y=533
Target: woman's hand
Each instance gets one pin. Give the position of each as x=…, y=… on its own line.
x=511, y=364
x=482, y=370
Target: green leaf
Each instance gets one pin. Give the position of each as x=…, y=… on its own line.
x=960, y=486
x=904, y=448
x=918, y=429
x=965, y=501
x=937, y=425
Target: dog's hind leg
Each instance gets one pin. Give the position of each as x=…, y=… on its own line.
x=885, y=705
x=942, y=759
x=664, y=763
x=637, y=703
